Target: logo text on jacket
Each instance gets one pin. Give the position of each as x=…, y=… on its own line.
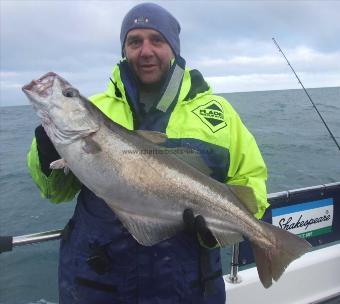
x=211, y=114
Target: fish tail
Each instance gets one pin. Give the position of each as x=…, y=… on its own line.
x=271, y=262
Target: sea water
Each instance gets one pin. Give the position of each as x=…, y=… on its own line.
x=295, y=145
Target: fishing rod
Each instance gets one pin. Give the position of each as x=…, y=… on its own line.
x=310, y=98
x=8, y=242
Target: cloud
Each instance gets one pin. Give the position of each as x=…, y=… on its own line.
x=263, y=82
x=228, y=41
x=301, y=58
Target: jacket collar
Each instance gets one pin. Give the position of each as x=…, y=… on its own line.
x=182, y=84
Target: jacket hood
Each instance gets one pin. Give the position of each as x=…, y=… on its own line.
x=192, y=84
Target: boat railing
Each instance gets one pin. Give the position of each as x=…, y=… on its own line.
x=233, y=276
x=323, y=200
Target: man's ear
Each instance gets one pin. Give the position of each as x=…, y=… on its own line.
x=124, y=53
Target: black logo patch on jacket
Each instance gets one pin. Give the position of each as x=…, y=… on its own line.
x=211, y=114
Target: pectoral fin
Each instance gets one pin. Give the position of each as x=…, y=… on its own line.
x=90, y=146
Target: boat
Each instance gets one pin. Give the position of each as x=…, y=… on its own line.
x=313, y=213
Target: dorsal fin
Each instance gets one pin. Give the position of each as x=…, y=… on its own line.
x=246, y=196
x=193, y=158
x=153, y=136
x=190, y=156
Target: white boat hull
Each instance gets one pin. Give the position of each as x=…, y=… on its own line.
x=313, y=278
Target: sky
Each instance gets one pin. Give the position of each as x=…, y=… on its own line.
x=230, y=42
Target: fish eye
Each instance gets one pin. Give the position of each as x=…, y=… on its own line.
x=71, y=92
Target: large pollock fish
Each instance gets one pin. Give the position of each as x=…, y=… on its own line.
x=148, y=190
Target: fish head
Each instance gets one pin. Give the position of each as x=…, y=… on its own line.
x=61, y=108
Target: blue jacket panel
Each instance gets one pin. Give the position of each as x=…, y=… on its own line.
x=100, y=262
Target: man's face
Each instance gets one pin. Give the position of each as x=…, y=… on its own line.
x=148, y=54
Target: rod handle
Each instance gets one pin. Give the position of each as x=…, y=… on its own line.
x=6, y=243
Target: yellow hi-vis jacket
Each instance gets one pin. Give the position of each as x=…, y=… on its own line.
x=196, y=119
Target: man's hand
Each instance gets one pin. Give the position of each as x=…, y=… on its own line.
x=46, y=151
x=198, y=226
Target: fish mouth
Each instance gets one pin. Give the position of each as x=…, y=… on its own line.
x=42, y=87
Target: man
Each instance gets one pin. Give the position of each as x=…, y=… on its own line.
x=150, y=89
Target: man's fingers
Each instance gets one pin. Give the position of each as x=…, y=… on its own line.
x=200, y=225
x=205, y=233
x=189, y=220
